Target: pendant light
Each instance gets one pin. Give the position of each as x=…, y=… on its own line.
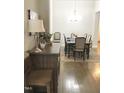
x=75, y=17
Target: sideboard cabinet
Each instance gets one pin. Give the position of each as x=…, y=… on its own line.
x=49, y=58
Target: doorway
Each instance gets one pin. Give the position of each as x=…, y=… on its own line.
x=98, y=31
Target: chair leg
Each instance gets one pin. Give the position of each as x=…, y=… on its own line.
x=65, y=50
x=74, y=55
x=83, y=55
x=87, y=52
x=80, y=54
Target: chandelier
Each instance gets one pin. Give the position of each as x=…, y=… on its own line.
x=75, y=17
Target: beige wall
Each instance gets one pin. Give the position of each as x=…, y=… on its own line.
x=44, y=13
x=29, y=41
x=42, y=8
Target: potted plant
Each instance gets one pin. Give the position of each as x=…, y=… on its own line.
x=45, y=37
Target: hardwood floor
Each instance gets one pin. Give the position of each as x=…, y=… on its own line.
x=79, y=77
x=94, y=56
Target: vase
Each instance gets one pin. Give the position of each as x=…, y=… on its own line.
x=42, y=45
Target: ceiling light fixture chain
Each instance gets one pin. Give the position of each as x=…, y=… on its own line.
x=75, y=11
x=75, y=17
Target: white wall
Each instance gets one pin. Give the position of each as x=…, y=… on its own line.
x=62, y=10
x=97, y=25
x=97, y=5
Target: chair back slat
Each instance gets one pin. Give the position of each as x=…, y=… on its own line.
x=80, y=42
x=89, y=38
x=57, y=36
x=73, y=35
x=85, y=35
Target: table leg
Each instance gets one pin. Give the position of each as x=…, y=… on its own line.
x=65, y=49
x=88, y=51
x=68, y=50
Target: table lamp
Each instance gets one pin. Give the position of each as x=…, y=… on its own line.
x=36, y=26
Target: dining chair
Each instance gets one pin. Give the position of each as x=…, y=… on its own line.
x=73, y=35
x=79, y=47
x=85, y=35
x=56, y=37
x=65, y=48
x=89, y=37
x=88, y=45
x=89, y=40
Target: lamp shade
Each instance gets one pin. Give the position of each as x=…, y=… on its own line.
x=36, y=26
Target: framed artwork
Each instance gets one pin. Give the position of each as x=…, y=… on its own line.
x=32, y=15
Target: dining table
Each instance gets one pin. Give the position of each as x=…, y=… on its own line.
x=71, y=43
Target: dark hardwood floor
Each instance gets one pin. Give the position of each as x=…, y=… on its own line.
x=80, y=76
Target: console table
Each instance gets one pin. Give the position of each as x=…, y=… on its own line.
x=49, y=58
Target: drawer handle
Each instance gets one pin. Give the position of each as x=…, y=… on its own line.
x=28, y=88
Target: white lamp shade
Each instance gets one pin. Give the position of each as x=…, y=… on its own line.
x=36, y=26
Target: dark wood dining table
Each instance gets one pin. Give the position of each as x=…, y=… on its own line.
x=71, y=42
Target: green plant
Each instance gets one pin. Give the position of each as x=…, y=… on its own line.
x=45, y=37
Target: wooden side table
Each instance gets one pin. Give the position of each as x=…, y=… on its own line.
x=41, y=78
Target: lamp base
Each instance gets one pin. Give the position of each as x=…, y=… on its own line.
x=37, y=50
